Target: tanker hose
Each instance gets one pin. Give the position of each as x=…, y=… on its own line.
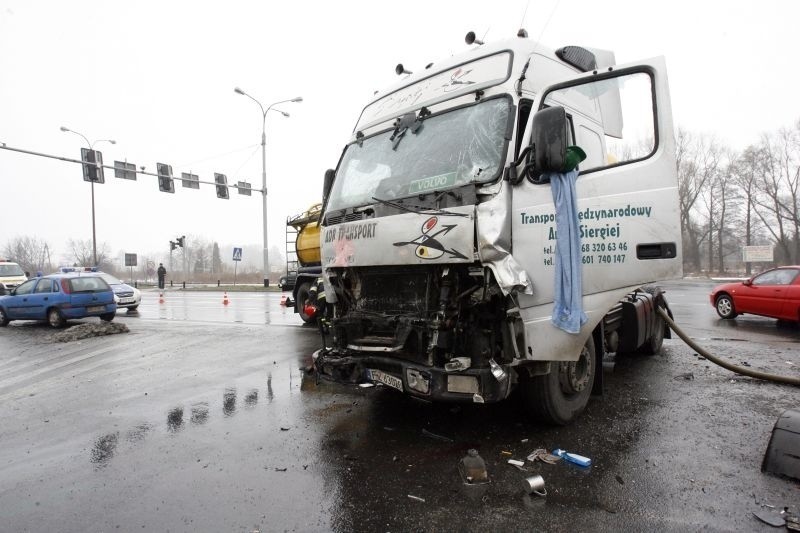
x=724, y=364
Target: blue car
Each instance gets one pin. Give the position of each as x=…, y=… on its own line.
x=57, y=298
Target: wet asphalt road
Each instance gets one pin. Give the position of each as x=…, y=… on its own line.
x=200, y=419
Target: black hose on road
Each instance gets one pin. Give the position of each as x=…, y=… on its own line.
x=724, y=364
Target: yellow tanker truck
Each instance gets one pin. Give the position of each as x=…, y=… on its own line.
x=303, y=265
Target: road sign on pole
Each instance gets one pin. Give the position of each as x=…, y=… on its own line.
x=130, y=260
x=237, y=254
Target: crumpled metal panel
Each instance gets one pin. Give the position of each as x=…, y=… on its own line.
x=494, y=243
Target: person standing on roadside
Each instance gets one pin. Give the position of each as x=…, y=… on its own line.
x=162, y=274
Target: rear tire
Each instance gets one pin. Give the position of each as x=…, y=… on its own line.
x=55, y=318
x=560, y=396
x=3, y=318
x=724, y=306
x=653, y=344
x=108, y=317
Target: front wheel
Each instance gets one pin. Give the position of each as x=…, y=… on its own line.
x=55, y=318
x=108, y=317
x=3, y=318
x=725, y=308
x=560, y=396
x=302, y=300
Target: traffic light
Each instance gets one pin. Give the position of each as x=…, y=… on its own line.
x=172, y=245
x=92, y=165
x=222, y=185
x=181, y=240
x=165, y=182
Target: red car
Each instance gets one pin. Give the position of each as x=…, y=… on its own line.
x=774, y=293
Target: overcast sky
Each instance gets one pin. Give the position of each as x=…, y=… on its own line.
x=158, y=77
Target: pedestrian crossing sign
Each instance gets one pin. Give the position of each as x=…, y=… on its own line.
x=237, y=254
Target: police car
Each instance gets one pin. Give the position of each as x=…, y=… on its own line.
x=125, y=296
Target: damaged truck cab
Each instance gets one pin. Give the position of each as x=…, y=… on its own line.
x=438, y=230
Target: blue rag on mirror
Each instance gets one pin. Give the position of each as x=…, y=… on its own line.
x=568, y=291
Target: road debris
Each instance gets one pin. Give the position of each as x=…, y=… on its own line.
x=85, y=331
x=573, y=458
x=416, y=498
x=284, y=429
x=535, y=485
x=515, y=462
x=281, y=469
x=544, y=456
x=366, y=385
x=473, y=468
x=770, y=518
x=688, y=376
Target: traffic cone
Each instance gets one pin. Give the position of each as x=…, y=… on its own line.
x=161, y=297
x=225, y=300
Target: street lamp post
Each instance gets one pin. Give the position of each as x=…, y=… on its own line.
x=91, y=147
x=264, y=112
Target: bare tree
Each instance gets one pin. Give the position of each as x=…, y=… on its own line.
x=699, y=159
x=779, y=190
x=81, y=254
x=31, y=253
x=745, y=174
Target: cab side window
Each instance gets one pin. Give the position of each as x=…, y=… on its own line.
x=616, y=118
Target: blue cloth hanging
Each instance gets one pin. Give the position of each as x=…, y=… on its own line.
x=568, y=291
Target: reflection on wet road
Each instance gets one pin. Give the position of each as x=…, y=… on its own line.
x=242, y=308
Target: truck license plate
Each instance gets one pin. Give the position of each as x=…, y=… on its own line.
x=95, y=308
x=386, y=379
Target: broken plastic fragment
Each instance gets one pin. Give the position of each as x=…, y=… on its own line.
x=514, y=462
x=416, y=498
x=366, y=385
x=477, y=398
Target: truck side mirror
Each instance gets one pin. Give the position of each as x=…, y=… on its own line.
x=549, y=139
x=327, y=183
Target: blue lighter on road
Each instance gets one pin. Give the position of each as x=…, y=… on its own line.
x=579, y=460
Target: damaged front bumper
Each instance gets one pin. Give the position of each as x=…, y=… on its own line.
x=430, y=383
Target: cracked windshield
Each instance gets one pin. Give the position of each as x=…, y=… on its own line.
x=462, y=146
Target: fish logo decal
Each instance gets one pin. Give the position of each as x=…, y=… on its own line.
x=427, y=245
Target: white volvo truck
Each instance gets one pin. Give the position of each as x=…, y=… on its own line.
x=438, y=229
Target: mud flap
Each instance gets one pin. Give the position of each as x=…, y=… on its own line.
x=783, y=452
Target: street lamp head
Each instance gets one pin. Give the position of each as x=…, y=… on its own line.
x=64, y=128
x=298, y=99
x=237, y=90
x=112, y=141
x=285, y=114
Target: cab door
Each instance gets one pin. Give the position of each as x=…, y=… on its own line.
x=627, y=199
